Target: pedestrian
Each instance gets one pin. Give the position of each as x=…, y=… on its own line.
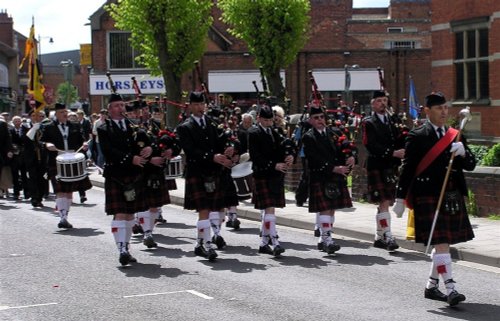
x=207, y=160
x=379, y=139
x=328, y=167
x=269, y=165
x=126, y=149
x=428, y=152
x=63, y=136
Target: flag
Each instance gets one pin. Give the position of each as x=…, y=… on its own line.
x=413, y=103
x=35, y=86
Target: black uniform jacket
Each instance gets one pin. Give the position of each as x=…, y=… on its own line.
x=380, y=142
x=265, y=152
x=200, y=145
x=322, y=154
x=430, y=181
x=119, y=148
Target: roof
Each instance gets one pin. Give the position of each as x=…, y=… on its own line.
x=55, y=58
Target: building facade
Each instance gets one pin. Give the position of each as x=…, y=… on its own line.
x=466, y=60
x=343, y=42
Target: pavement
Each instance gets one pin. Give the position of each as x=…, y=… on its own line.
x=359, y=223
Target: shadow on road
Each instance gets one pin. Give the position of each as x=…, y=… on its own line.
x=233, y=265
x=79, y=232
x=470, y=311
x=150, y=271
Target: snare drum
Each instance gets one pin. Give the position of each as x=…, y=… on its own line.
x=242, y=179
x=71, y=167
x=174, y=168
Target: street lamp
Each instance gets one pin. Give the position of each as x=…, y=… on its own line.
x=51, y=41
x=347, y=83
x=68, y=77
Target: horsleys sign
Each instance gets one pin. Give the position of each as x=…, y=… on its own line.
x=99, y=84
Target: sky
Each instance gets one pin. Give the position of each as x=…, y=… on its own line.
x=64, y=20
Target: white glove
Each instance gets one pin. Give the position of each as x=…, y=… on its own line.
x=399, y=207
x=31, y=133
x=458, y=148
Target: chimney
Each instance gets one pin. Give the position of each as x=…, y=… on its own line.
x=6, y=29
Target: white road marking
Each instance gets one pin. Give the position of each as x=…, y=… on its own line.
x=199, y=294
x=4, y=307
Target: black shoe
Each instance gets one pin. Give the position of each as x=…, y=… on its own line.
x=236, y=224
x=320, y=246
x=332, y=248
x=83, y=199
x=160, y=220
x=435, y=294
x=266, y=249
x=278, y=250
x=219, y=241
x=132, y=259
x=64, y=224
x=36, y=204
x=229, y=223
x=137, y=229
x=299, y=204
x=455, y=298
x=392, y=245
x=209, y=254
x=149, y=242
x=317, y=232
x=125, y=258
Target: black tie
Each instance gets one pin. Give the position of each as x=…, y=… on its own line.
x=440, y=132
x=202, y=123
x=385, y=120
x=62, y=126
x=122, y=127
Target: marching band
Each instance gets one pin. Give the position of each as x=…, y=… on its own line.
x=225, y=156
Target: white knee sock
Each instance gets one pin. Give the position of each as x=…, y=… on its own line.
x=232, y=213
x=443, y=267
x=383, y=225
x=203, y=227
x=325, y=228
x=214, y=218
x=270, y=226
x=317, y=223
x=118, y=229
x=144, y=219
x=62, y=207
x=154, y=216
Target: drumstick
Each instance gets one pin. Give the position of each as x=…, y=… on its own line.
x=79, y=149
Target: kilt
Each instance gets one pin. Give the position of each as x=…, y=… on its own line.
x=451, y=228
x=230, y=196
x=157, y=196
x=115, y=200
x=67, y=187
x=380, y=187
x=171, y=184
x=269, y=192
x=318, y=201
x=197, y=198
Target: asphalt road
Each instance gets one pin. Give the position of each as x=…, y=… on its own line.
x=52, y=274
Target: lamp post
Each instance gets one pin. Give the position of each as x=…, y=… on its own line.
x=68, y=77
x=347, y=83
x=51, y=41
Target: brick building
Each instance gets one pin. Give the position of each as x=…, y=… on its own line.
x=9, y=75
x=342, y=38
x=466, y=60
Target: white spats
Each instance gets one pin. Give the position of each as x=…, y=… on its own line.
x=269, y=228
x=215, y=219
x=203, y=227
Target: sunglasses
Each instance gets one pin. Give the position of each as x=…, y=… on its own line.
x=318, y=117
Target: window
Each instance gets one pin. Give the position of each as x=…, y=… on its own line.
x=395, y=29
x=471, y=60
x=121, y=55
x=404, y=44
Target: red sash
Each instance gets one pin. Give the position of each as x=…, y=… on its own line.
x=431, y=155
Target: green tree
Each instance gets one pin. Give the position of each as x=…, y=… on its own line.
x=274, y=31
x=170, y=34
x=67, y=93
